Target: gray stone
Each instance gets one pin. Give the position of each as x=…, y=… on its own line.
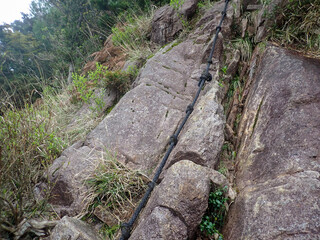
x=73, y=229
x=188, y=8
x=161, y=224
x=153, y=109
x=69, y=172
x=254, y=7
x=184, y=191
x=203, y=135
x=166, y=25
x=278, y=161
x=211, y=19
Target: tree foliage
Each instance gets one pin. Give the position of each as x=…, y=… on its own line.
x=55, y=35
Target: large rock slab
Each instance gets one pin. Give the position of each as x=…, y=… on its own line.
x=138, y=128
x=278, y=162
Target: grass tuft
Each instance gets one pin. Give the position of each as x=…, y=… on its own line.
x=132, y=33
x=115, y=188
x=299, y=26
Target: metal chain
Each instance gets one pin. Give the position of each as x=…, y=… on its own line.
x=205, y=76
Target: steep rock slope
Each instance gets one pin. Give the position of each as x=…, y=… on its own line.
x=139, y=127
x=278, y=163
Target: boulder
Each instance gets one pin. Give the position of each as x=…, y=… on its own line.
x=188, y=8
x=162, y=223
x=278, y=161
x=72, y=228
x=69, y=172
x=183, y=194
x=166, y=25
x=203, y=135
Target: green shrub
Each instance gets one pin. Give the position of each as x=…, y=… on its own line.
x=213, y=220
x=117, y=81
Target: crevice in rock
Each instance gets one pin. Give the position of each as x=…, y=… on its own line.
x=191, y=156
x=178, y=215
x=256, y=117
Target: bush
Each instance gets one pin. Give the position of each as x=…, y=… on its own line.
x=28, y=144
x=299, y=25
x=117, y=81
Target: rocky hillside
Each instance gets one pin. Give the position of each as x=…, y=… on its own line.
x=257, y=122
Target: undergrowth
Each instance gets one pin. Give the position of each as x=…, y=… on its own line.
x=132, y=33
x=116, y=81
x=299, y=26
x=31, y=137
x=28, y=144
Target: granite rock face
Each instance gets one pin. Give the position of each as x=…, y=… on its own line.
x=166, y=25
x=138, y=128
x=161, y=223
x=203, y=135
x=188, y=8
x=278, y=163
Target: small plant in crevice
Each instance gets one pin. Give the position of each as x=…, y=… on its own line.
x=176, y=4
x=245, y=46
x=213, y=220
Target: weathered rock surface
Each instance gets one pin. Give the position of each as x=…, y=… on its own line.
x=183, y=194
x=203, y=135
x=278, y=163
x=166, y=25
x=188, y=8
x=161, y=223
x=72, y=228
x=211, y=19
x=69, y=173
